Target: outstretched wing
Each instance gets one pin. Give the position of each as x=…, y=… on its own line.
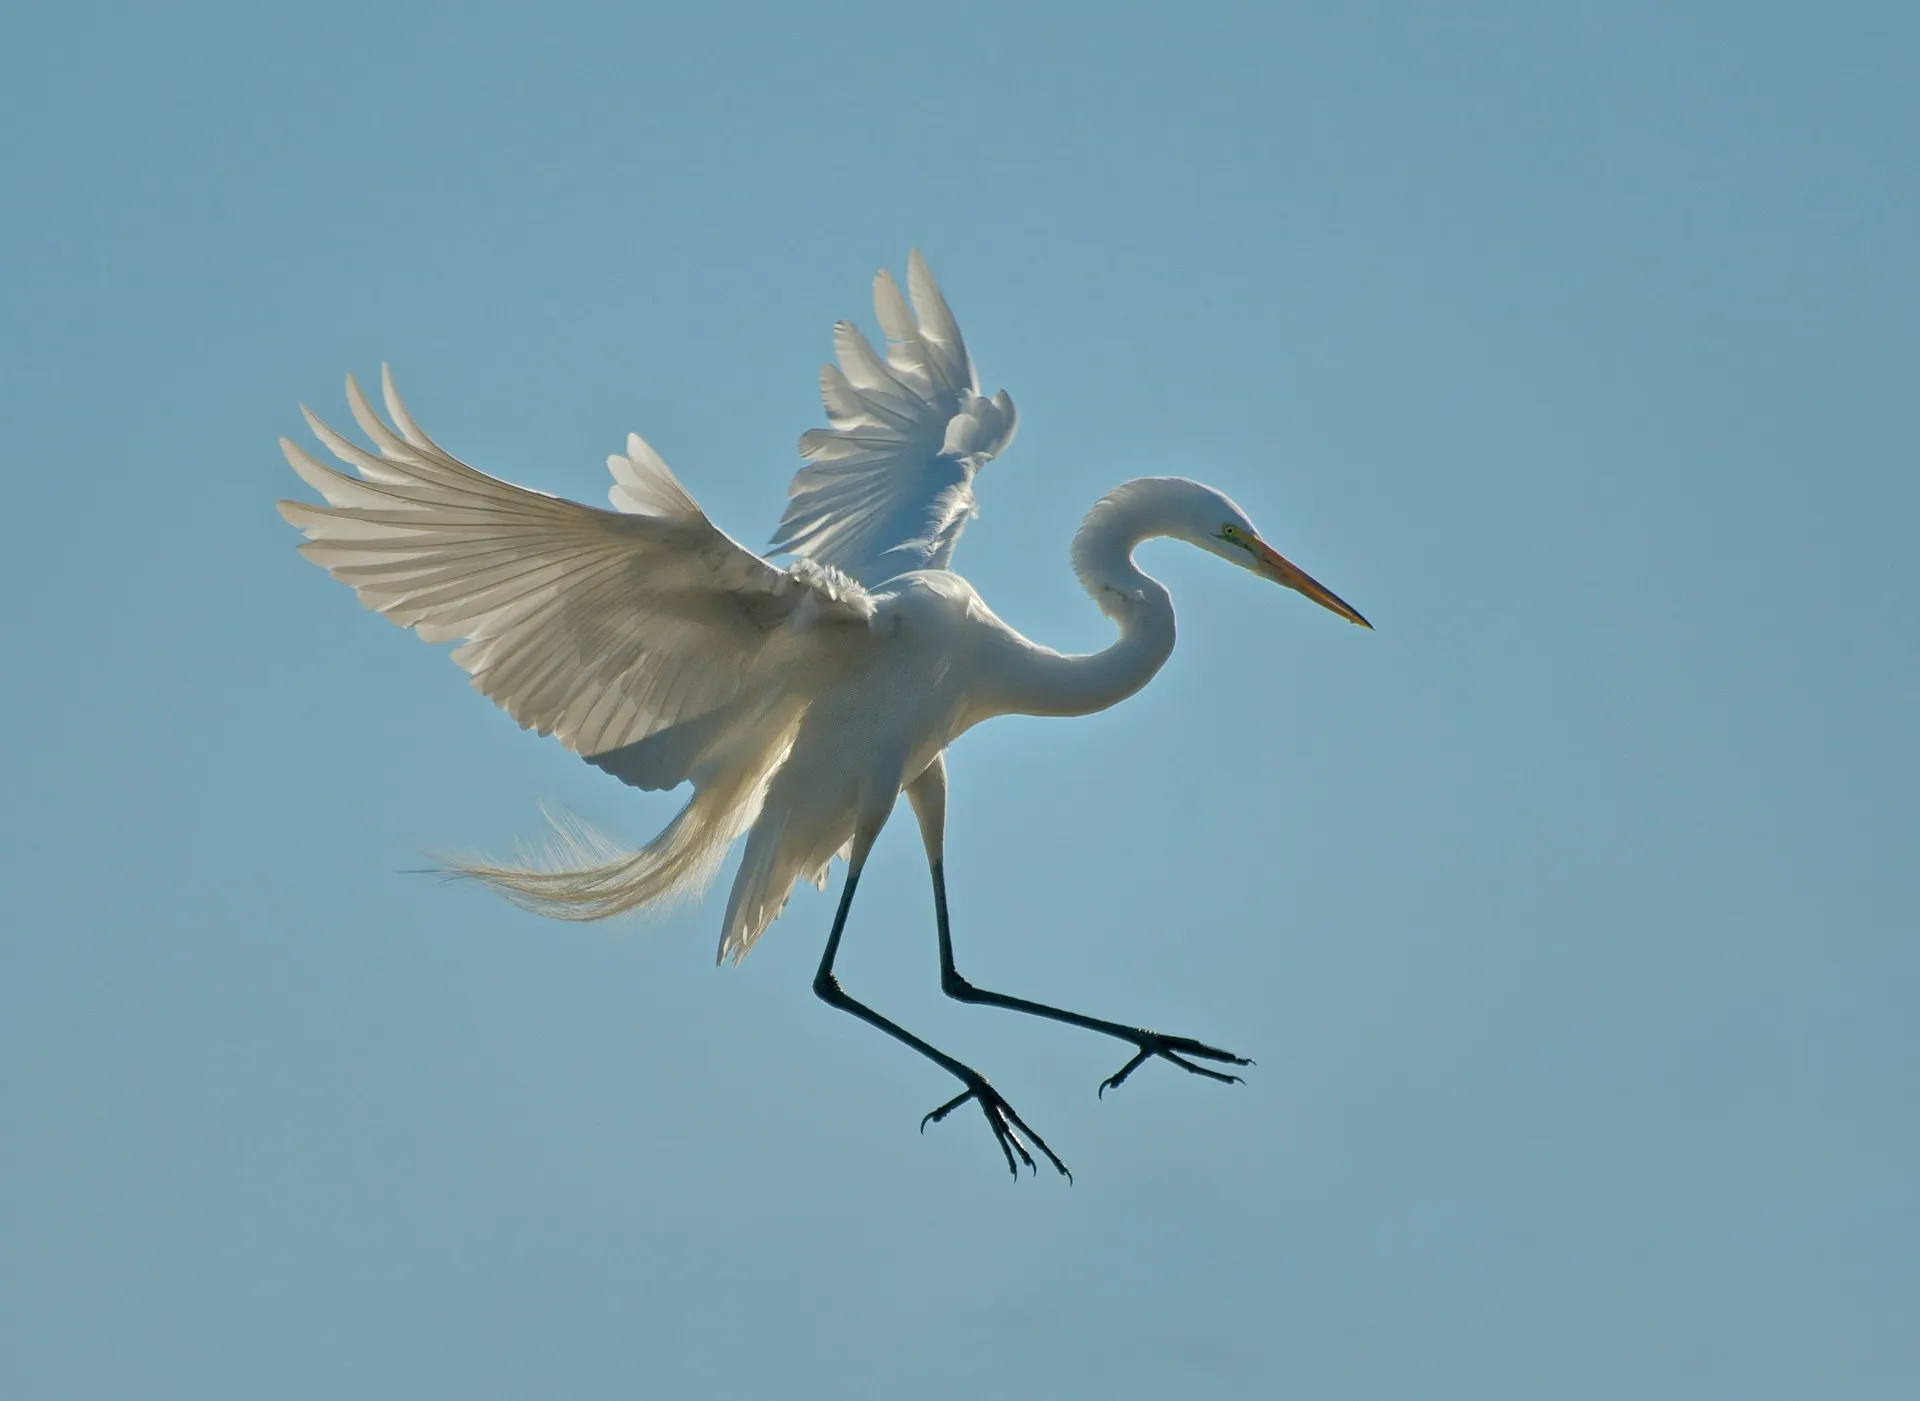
x=889, y=486
x=602, y=628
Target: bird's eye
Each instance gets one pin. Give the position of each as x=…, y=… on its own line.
x=1230, y=532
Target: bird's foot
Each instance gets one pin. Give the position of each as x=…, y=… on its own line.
x=1007, y=1126
x=1175, y=1049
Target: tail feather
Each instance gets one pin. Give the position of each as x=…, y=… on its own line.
x=784, y=847
x=585, y=876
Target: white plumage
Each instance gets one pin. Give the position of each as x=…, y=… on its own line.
x=889, y=487
x=799, y=702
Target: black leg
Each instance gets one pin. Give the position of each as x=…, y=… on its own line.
x=1007, y=1126
x=1148, y=1043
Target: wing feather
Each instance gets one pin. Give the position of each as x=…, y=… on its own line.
x=888, y=487
x=602, y=628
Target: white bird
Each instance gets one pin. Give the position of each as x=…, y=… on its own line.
x=798, y=701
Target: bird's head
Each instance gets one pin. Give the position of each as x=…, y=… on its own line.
x=1216, y=525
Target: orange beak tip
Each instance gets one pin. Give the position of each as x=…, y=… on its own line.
x=1282, y=570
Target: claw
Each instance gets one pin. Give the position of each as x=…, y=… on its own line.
x=1188, y=1065
x=937, y=1115
x=1170, y=1048
x=1118, y=1078
x=1021, y=1149
x=1007, y=1127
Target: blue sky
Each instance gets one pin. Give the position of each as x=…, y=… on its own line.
x=1570, y=916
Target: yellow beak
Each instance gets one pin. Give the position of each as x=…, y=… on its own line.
x=1282, y=570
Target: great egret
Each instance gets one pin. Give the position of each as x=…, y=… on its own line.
x=798, y=701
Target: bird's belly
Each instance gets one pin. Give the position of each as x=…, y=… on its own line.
x=885, y=723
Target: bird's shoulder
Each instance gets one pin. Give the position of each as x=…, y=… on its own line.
x=926, y=599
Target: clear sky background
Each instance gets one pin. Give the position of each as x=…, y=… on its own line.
x=1570, y=916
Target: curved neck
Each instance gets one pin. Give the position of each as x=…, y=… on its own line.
x=1048, y=683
